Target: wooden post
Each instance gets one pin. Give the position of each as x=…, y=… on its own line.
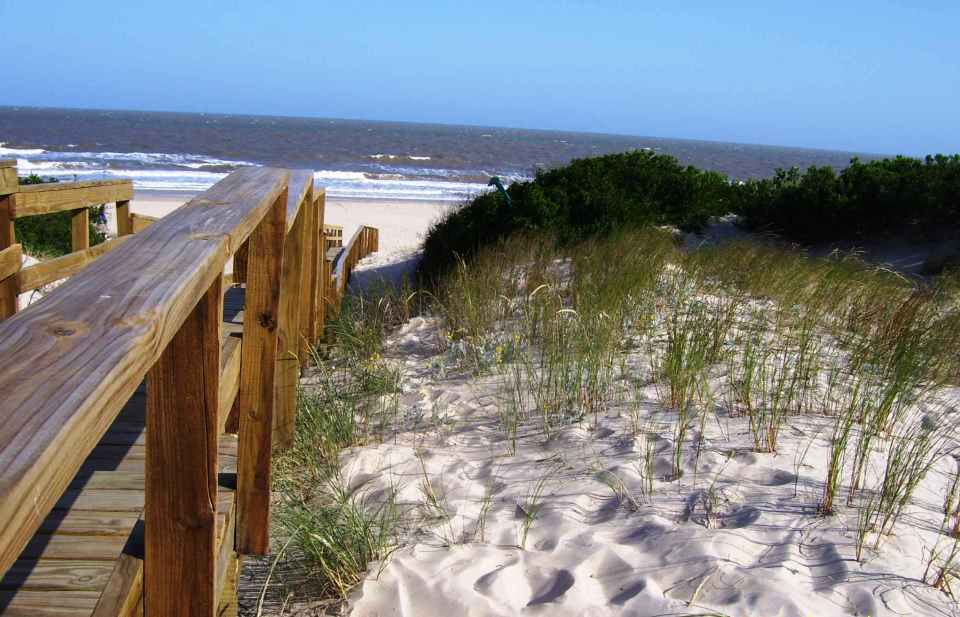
x=257, y=378
x=124, y=222
x=309, y=273
x=8, y=287
x=181, y=467
x=240, y=264
x=288, y=355
x=80, y=230
x=319, y=281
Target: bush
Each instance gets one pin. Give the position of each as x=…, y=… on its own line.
x=50, y=234
x=900, y=194
x=585, y=198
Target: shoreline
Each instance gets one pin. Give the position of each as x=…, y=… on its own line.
x=402, y=223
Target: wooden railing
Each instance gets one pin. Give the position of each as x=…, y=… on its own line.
x=342, y=261
x=19, y=201
x=151, y=309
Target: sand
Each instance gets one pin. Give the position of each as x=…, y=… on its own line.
x=402, y=225
x=596, y=550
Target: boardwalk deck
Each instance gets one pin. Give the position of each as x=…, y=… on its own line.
x=86, y=560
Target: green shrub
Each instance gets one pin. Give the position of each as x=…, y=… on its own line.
x=50, y=235
x=585, y=198
x=900, y=194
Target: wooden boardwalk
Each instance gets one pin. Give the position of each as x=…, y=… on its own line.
x=143, y=398
x=87, y=557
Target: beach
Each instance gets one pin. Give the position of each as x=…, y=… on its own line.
x=402, y=225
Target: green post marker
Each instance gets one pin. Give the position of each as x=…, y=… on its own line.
x=495, y=181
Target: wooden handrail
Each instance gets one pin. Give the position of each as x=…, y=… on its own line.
x=49, y=197
x=82, y=352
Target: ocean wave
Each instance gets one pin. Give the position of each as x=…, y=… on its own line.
x=394, y=157
x=193, y=173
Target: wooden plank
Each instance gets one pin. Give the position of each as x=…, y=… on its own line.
x=124, y=220
x=257, y=378
x=58, y=268
x=229, y=378
x=90, y=522
x=288, y=337
x=228, y=596
x=87, y=351
x=123, y=590
x=181, y=481
x=80, y=230
x=301, y=183
x=8, y=179
x=312, y=325
x=63, y=546
x=57, y=575
x=11, y=259
x=139, y=222
x=46, y=604
x=8, y=286
x=60, y=196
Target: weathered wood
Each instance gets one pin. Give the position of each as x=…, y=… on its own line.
x=123, y=590
x=10, y=260
x=82, y=356
x=46, y=604
x=313, y=290
x=228, y=597
x=8, y=179
x=8, y=286
x=181, y=484
x=139, y=222
x=229, y=378
x=124, y=218
x=288, y=333
x=257, y=378
x=51, y=270
x=80, y=230
x=240, y=264
x=301, y=183
x=59, y=196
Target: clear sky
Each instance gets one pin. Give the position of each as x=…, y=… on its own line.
x=867, y=75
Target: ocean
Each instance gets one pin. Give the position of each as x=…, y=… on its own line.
x=353, y=159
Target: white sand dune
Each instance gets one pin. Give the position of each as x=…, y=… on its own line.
x=738, y=534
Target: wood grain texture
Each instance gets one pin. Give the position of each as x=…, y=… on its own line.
x=124, y=220
x=8, y=286
x=257, y=379
x=80, y=230
x=139, y=222
x=83, y=351
x=313, y=326
x=59, y=196
x=8, y=179
x=51, y=270
x=229, y=378
x=301, y=183
x=11, y=259
x=183, y=389
x=288, y=333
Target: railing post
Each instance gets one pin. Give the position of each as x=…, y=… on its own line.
x=8, y=287
x=257, y=379
x=291, y=301
x=124, y=222
x=319, y=282
x=311, y=272
x=181, y=467
x=80, y=230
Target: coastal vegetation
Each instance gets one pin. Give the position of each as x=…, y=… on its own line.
x=636, y=189
x=48, y=235
x=693, y=363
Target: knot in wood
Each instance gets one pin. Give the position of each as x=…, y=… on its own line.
x=267, y=321
x=61, y=331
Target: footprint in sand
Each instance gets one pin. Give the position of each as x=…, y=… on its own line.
x=524, y=585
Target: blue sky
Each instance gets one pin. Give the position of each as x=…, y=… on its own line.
x=876, y=76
